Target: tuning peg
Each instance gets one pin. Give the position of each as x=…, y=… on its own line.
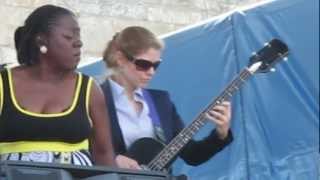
x=285, y=58
x=273, y=69
x=267, y=44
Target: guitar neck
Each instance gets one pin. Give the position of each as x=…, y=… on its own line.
x=173, y=148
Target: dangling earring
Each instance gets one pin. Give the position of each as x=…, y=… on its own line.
x=43, y=49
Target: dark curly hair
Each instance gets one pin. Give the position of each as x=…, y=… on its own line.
x=39, y=21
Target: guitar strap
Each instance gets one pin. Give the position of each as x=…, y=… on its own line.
x=153, y=113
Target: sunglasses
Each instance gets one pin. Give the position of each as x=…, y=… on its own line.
x=145, y=65
x=142, y=64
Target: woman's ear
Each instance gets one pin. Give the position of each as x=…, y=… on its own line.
x=120, y=59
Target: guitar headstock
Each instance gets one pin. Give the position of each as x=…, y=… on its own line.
x=265, y=59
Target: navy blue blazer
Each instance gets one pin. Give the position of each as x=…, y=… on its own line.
x=194, y=153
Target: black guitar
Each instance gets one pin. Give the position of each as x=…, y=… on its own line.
x=157, y=157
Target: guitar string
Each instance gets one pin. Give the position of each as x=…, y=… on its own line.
x=166, y=151
x=164, y=156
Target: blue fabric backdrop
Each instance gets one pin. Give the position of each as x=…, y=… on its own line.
x=275, y=115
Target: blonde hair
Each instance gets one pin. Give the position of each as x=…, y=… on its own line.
x=133, y=40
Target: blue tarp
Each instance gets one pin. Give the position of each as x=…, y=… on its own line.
x=275, y=115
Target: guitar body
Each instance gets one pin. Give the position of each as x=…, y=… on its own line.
x=144, y=150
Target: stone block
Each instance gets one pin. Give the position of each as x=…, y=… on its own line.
x=174, y=15
x=177, y=3
x=14, y=15
x=90, y=1
x=24, y=3
x=95, y=33
x=7, y=55
x=80, y=7
x=124, y=10
x=6, y=35
x=38, y=3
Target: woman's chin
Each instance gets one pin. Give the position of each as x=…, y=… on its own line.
x=143, y=84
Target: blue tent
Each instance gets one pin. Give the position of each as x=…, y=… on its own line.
x=275, y=115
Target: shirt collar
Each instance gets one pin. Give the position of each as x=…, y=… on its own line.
x=118, y=90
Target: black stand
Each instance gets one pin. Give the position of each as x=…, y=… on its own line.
x=20, y=170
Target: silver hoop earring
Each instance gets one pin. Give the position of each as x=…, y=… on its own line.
x=43, y=49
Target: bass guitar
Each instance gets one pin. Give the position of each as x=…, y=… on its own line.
x=156, y=156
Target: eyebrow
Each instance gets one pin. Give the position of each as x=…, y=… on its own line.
x=77, y=30
x=72, y=29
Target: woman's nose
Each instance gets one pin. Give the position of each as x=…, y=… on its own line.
x=151, y=71
x=78, y=43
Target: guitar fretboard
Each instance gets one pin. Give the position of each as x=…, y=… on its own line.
x=173, y=148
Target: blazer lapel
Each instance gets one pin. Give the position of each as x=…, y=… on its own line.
x=160, y=103
x=117, y=137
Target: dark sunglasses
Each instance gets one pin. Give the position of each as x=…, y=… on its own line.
x=141, y=64
x=145, y=65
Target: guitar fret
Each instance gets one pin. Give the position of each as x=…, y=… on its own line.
x=236, y=87
x=198, y=123
x=179, y=146
x=241, y=79
x=183, y=139
x=158, y=167
x=173, y=149
x=195, y=127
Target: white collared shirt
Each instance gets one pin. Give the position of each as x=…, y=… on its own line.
x=132, y=124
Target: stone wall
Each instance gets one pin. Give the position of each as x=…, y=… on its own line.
x=100, y=19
